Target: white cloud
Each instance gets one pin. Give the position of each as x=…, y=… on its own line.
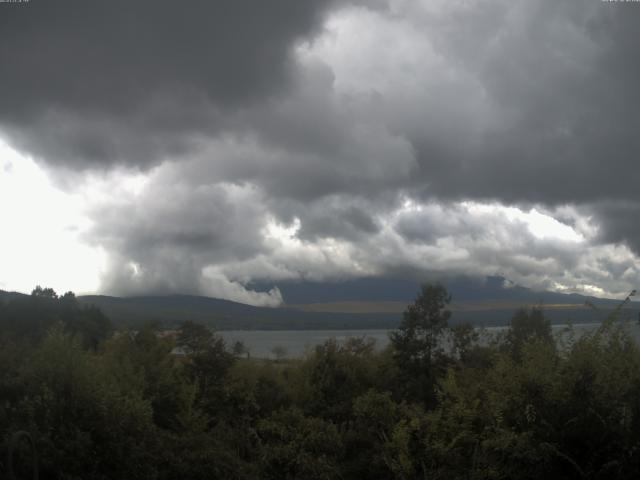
x=45, y=231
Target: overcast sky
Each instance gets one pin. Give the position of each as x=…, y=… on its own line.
x=193, y=147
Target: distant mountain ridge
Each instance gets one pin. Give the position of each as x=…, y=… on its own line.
x=396, y=289
x=171, y=310
x=354, y=304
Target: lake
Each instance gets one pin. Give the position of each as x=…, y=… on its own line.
x=296, y=342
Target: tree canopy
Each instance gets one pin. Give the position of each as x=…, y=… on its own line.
x=439, y=402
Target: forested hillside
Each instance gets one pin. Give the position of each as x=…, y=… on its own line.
x=125, y=406
x=354, y=304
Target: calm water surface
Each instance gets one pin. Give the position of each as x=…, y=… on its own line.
x=261, y=343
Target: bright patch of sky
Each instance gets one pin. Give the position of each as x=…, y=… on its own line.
x=539, y=224
x=41, y=234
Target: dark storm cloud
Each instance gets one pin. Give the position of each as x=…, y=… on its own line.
x=618, y=222
x=535, y=102
x=562, y=80
x=251, y=114
x=132, y=82
x=519, y=102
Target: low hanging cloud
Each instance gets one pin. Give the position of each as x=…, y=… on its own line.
x=219, y=239
x=162, y=239
x=325, y=139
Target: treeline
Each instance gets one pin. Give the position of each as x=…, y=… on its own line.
x=437, y=403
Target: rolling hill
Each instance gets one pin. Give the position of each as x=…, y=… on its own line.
x=355, y=304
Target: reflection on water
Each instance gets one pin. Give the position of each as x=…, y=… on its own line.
x=261, y=343
x=294, y=343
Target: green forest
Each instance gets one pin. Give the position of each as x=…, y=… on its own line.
x=438, y=403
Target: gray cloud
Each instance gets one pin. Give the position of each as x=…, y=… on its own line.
x=247, y=115
x=523, y=103
x=163, y=239
x=530, y=102
x=131, y=82
x=618, y=221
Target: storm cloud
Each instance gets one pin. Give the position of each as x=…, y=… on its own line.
x=326, y=139
x=96, y=83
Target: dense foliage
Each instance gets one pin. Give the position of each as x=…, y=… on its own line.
x=440, y=402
